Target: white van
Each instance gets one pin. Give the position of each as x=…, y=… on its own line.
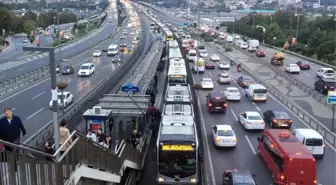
x=312, y=140
x=192, y=55
x=229, y=39
x=112, y=50
x=256, y=92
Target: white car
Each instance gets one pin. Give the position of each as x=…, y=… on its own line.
x=251, y=120
x=125, y=32
x=215, y=57
x=224, y=78
x=243, y=45
x=207, y=83
x=292, y=68
x=325, y=73
x=67, y=99
x=122, y=37
x=97, y=53
x=223, y=136
x=203, y=54
x=224, y=65
x=86, y=69
x=232, y=93
x=134, y=42
x=132, y=33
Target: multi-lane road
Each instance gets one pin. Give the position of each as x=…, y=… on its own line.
x=15, y=68
x=244, y=155
x=35, y=111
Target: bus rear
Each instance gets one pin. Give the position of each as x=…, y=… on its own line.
x=300, y=169
x=177, y=163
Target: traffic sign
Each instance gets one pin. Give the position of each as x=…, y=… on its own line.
x=185, y=24
x=129, y=87
x=331, y=98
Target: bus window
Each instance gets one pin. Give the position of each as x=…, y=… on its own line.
x=279, y=161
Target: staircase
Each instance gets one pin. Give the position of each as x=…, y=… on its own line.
x=83, y=159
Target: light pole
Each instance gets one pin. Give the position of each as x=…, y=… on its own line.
x=2, y=24
x=297, y=25
x=271, y=17
x=264, y=31
x=198, y=33
x=233, y=27
x=253, y=15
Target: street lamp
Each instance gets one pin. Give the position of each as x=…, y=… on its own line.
x=2, y=21
x=297, y=25
x=253, y=15
x=198, y=32
x=264, y=31
x=271, y=17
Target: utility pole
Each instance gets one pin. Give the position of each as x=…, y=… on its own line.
x=297, y=26
x=52, y=62
x=198, y=33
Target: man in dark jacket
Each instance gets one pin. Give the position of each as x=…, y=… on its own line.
x=11, y=127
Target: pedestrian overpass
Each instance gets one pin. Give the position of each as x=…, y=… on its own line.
x=83, y=159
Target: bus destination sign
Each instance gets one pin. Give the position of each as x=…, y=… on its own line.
x=177, y=148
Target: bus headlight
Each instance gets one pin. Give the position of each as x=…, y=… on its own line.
x=161, y=179
x=193, y=180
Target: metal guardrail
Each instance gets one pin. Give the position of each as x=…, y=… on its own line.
x=43, y=72
x=47, y=131
x=27, y=166
x=305, y=116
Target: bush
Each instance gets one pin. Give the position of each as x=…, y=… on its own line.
x=208, y=39
x=228, y=49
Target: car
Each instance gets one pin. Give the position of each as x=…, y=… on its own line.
x=277, y=118
x=122, y=37
x=244, y=81
x=303, y=64
x=324, y=85
x=251, y=120
x=134, y=41
x=209, y=65
x=125, y=32
x=67, y=69
x=25, y=41
x=223, y=136
x=260, y=53
x=214, y=57
x=86, y=69
x=325, y=73
x=132, y=33
x=224, y=78
x=238, y=177
x=207, y=83
x=224, y=65
x=292, y=68
x=243, y=45
x=67, y=99
x=232, y=93
x=97, y=53
x=203, y=54
x=216, y=102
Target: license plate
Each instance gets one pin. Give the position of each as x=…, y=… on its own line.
x=226, y=140
x=284, y=125
x=292, y=183
x=218, y=108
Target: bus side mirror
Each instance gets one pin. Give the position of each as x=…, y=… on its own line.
x=259, y=138
x=253, y=175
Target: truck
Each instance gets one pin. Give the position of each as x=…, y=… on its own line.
x=253, y=45
x=277, y=58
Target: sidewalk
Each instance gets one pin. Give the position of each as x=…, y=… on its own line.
x=5, y=48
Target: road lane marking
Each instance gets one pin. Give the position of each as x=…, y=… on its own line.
x=306, y=73
x=35, y=113
x=21, y=69
x=105, y=66
x=81, y=83
x=38, y=95
x=249, y=142
x=4, y=114
x=215, y=82
x=257, y=108
x=210, y=74
x=234, y=114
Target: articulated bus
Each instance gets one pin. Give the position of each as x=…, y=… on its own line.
x=177, y=75
x=177, y=151
x=174, y=53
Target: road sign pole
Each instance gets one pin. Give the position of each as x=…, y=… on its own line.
x=331, y=99
x=333, y=118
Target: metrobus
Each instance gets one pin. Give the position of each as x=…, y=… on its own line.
x=177, y=151
x=177, y=74
x=176, y=62
x=173, y=44
x=174, y=53
x=169, y=36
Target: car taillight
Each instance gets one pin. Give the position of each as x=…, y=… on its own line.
x=207, y=65
x=224, y=104
x=282, y=177
x=248, y=123
x=262, y=123
x=210, y=105
x=325, y=87
x=274, y=120
x=289, y=121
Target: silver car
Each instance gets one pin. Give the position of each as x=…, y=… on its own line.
x=224, y=78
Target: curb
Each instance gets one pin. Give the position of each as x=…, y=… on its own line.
x=10, y=44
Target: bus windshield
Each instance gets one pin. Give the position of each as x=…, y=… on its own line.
x=181, y=163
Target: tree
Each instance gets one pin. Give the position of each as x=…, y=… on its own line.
x=325, y=49
x=274, y=34
x=316, y=38
x=30, y=16
x=29, y=26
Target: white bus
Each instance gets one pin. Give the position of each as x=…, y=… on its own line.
x=177, y=75
x=112, y=50
x=173, y=44
x=176, y=62
x=199, y=65
x=174, y=53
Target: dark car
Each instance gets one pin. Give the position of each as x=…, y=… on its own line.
x=324, y=85
x=259, y=53
x=67, y=69
x=277, y=118
x=303, y=64
x=216, y=102
x=238, y=177
x=209, y=65
x=244, y=81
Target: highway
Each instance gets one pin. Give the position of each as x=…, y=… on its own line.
x=244, y=155
x=35, y=112
x=15, y=68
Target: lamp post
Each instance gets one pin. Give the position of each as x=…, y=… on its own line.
x=2, y=24
x=271, y=16
x=264, y=31
x=297, y=25
x=198, y=33
x=52, y=62
x=253, y=15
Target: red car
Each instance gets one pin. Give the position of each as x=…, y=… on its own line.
x=303, y=64
x=259, y=53
x=209, y=65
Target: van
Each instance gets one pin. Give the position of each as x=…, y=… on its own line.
x=256, y=92
x=192, y=55
x=112, y=50
x=229, y=39
x=312, y=140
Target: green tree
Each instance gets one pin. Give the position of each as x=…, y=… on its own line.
x=326, y=49
x=316, y=38
x=29, y=26
x=274, y=34
x=30, y=16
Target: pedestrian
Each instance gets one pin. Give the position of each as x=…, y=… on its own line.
x=64, y=136
x=92, y=136
x=10, y=128
x=103, y=140
x=116, y=147
x=49, y=150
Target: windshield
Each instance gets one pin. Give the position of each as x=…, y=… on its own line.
x=262, y=91
x=252, y=118
x=248, y=79
x=314, y=142
x=206, y=80
x=60, y=97
x=330, y=84
x=172, y=163
x=233, y=90
x=224, y=63
x=84, y=67
x=201, y=47
x=225, y=133
x=329, y=71
x=96, y=51
x=192, y=54
x=281, y=115
x=66, y=67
